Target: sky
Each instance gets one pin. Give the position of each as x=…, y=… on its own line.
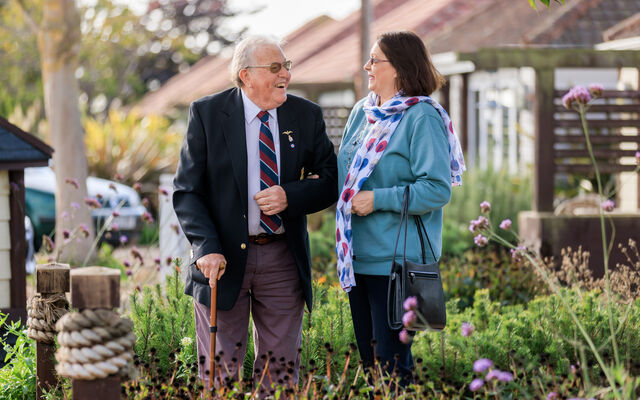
x=280, y=17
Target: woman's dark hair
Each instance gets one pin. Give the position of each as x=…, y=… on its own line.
x=407, y=54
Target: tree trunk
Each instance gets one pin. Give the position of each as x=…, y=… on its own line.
x=59, y=42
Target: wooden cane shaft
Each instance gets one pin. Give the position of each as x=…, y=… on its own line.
x=212, y=344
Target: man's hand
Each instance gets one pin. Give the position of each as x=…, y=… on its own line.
x=272, y=200
x=212, y=265
x=362, y=203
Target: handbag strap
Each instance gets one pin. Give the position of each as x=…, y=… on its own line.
x=404, y=218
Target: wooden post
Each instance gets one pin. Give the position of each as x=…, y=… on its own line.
x=96, y=288
x=50, y=279
x=544, y=171
x=366, y=19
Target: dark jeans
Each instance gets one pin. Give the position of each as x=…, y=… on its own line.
x=368, y=300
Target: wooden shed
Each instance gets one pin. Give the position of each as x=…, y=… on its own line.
x=18, y=150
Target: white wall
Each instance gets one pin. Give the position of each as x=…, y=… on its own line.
x=5, y=241
x=172, y=244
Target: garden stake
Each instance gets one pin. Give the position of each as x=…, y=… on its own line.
x=213, y=329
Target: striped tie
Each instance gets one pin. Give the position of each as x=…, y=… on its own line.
x=268, y=171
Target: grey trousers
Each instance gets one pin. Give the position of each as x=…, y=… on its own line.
x=271, y=293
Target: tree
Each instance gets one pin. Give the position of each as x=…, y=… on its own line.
x=58, y=42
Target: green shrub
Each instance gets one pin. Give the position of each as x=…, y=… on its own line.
x=162, y=317
x=18, y=376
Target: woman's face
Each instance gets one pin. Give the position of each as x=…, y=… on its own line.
x=382, y=75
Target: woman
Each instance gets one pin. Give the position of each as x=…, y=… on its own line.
x=394, y=137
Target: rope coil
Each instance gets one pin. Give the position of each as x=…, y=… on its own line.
x=94, y=344
x=44, y=312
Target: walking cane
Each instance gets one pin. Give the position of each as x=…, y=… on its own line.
x=213, y=328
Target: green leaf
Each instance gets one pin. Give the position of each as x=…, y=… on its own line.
x=532, y=3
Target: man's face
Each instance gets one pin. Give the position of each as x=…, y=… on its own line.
x=266, y=89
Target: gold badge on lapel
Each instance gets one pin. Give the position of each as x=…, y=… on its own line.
x=288, y=133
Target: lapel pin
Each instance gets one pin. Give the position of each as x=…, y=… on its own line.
x=288, y=133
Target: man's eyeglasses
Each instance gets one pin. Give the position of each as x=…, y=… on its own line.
x=372, y=61
x=274, y=67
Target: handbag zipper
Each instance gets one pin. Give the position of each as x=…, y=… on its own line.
x=420, y=274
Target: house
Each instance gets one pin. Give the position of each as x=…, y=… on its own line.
x=18, y=150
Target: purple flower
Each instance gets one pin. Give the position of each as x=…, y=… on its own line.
x=482, y=364
x=163, y=191
x=127, y=264
x=156, y=260
x=404, y=336
x=124, y=239
x=64, y=215
x=66, y=234
x=115, y=213
x=15, y=187
x=493, y=374
x=480, y=240
x=128, y=271
x=518, y=253
x=552, y=396
x=506, y=224
x=137, y=187
x=608, y=205
x=75, y=205
x=145, y=202
x=118, y=177
x=466, y=329
x=408, y=319
x=168, y=260
x=411, y=303
x=476, y=384
x=637, y=157
x=596, y=89
x=577, y=94
x=505, y=376
x=573, y=369
x=485, y=207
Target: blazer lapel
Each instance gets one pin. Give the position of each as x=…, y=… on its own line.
x=289, y=135
x=233, y=128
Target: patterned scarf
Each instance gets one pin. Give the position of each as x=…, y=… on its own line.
x=385, y=119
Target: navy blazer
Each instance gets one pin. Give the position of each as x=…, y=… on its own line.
x=210, y=187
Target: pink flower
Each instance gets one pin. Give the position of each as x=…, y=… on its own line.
x=145, y=202
x=552, y=396
x=127, y=264
x=476, y=384
x=114, y=227
x=115, y=213
x=75, y=205
x=118, y=177
x=91, y=202
x=480, y=240
x=137, y=187
x=485, y=207
x=596, y=89
x=479, y=224
x=128, y=272
x=163, y=191
x=404, y=336
x=506, y=224
x=577, y=94
x=637, y=157
x=66, y=234
x=608, y=205
x=123, y=239
x=518, y=253
x=466, y=329
x=411, y=303
x=156, y=260
x=72, y=182
x=146, y=217
x=482, y=364
x=408, y=319
x=84, y=230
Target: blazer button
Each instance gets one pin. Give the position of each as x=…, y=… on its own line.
x=244, y=216
x=243, y=246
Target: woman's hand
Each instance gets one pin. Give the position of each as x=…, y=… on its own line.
x=362, y=203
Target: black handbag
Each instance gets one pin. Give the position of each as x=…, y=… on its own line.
x=414, y=279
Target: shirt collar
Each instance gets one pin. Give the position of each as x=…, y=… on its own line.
x=251, y=110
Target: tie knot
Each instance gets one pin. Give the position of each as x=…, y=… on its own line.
x=263, y=116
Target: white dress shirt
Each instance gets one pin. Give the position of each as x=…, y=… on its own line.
x=252, y=129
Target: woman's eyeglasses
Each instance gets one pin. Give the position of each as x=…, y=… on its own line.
x=372, y=61
x=274, y=67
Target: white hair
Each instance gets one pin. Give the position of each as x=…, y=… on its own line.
x=244, y=54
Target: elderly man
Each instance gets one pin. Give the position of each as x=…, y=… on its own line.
x=241, y=197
